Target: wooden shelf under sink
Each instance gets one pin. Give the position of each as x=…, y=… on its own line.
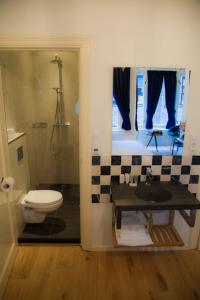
x=164, y=235
x=161, y=235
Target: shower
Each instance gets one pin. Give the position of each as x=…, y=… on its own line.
x=59, y=118
x=50, y=79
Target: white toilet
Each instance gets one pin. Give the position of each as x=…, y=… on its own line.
x=38, y=203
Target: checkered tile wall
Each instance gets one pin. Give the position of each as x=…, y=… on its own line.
x=107, y=169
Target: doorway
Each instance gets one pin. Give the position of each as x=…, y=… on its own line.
x=80, y=44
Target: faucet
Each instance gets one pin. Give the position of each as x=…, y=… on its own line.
x=149, y=176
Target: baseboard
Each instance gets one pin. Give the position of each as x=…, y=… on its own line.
x=7, y=269
x=132, y=249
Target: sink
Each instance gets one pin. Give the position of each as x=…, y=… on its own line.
x=152, y=193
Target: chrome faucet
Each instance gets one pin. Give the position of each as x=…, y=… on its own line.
x=149, y=176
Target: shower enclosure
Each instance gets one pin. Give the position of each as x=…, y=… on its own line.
x=59, y=119
x=41, y=93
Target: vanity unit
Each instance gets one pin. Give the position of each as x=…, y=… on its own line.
x=157, y=196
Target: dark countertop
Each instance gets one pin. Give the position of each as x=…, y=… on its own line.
x=124, y=198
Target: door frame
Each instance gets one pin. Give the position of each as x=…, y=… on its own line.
x=82, y=44
x=4, y=160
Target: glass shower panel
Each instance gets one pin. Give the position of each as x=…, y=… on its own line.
x=57, y=142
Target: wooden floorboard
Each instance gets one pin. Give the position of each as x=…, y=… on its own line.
x=48, y=272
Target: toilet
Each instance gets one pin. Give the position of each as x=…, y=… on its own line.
x=38, y=203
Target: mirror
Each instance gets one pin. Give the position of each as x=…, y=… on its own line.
x=149, y=110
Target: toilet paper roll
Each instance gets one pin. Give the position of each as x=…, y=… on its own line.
x=7, y=184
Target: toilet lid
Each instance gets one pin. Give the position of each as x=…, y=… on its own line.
x=43, y=197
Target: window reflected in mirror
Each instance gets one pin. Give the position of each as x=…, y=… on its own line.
x=149, y=110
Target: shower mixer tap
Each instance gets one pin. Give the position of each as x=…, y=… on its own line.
x=58, y=90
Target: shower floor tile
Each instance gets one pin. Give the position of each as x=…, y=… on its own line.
x=62, y=226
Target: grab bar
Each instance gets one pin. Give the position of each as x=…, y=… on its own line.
x=67, y=124
x=40, y=125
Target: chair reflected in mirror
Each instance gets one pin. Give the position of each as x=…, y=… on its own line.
x=177, y=133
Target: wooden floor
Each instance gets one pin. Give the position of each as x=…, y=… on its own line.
x=67, y=272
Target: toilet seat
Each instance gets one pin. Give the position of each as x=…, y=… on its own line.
x=44, y=198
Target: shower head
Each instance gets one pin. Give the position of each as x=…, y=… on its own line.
x=57, y=60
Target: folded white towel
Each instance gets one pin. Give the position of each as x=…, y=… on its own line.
x=140, y=238
x=133, y=231
x=128, y=234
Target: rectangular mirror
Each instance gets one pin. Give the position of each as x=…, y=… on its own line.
x=149, y=110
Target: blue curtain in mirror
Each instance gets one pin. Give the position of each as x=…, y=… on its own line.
x=170, y=94
x=155, y=80
x=121, y=94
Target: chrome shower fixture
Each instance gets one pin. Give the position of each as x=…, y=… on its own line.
x=57, y=60
x=59, y=118
x=57, y=89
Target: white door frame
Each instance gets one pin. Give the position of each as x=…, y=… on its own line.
x=5, y=171
x=82, y=44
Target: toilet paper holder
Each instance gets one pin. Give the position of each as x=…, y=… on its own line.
x=7, y=184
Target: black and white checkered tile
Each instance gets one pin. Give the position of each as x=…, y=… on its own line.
x=107, y=169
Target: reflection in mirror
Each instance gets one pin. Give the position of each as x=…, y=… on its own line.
x=149, y=110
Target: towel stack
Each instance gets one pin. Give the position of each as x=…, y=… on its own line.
x=133, y=231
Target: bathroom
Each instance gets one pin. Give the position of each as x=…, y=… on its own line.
x=40, y=90
x=143, y=37
x=96, y=90
x=43, y=143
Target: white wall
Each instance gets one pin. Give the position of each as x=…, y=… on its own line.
x=130, y=32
